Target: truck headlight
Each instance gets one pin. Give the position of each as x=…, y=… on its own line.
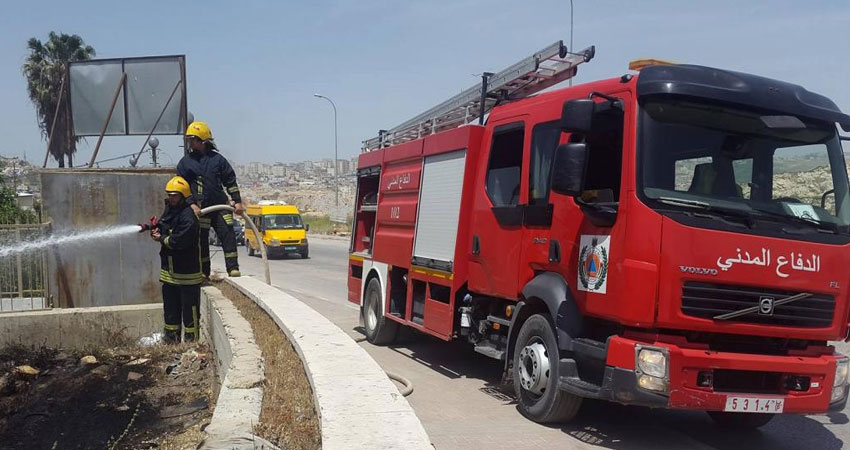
x=842, y=367
x=839, y=385
x=651, y=368
x=837, y=393
x=652, y=362
x=304, y=241
x=275, y=242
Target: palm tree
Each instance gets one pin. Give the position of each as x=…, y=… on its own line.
x=44, y=69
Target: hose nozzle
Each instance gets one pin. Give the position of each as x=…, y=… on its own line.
x=150, y=226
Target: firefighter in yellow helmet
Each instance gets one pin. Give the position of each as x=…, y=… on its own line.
x=178, y=232
x=212, y=180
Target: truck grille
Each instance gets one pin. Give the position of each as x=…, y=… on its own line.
x=707, y=300
x=745, y=381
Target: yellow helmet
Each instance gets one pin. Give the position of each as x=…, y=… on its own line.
x=178, y=184
x=200, y=130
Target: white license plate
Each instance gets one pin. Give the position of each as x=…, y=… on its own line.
x=754, y=405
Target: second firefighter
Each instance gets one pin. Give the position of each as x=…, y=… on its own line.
x=210, y=175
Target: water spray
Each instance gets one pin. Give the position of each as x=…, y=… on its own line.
x=75, y=238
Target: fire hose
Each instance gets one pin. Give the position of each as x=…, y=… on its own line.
x=407, y=385
x=250, y=223
x=152, y=224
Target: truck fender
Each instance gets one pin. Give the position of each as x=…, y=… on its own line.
x=553, y=291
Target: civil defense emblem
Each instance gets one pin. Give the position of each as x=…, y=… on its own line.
x=593, y=263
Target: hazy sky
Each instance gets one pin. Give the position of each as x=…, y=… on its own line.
x=252, y=68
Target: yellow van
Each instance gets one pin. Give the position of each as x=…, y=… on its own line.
x=282, y=229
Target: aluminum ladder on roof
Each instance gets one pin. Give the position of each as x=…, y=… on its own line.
x=530, y=75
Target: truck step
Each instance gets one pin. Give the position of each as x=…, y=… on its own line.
x=490, y=351
x=590, y=348
x=579, y=387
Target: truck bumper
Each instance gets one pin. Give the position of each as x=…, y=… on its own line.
x=694, y=379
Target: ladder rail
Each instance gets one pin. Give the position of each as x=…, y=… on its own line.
x=543, y=69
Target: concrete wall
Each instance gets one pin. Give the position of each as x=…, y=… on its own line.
x=120, y=271
x=80, y=328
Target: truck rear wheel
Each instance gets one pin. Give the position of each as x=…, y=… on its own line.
x=535, y=374
x=379, y=329
x=738, y=420
x=250, y=250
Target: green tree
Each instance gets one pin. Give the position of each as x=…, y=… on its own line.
x=43, y=70
x=9, y=211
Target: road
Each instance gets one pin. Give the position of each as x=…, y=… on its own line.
x=458, y=398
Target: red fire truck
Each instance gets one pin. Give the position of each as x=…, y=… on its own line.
x=674, y=237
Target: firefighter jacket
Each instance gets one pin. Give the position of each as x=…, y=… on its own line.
x=209, y=174
x=180, y=254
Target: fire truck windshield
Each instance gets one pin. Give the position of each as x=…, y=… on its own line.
x=741, y=162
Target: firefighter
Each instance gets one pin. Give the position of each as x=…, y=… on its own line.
x=209, y=175
x=178, y=232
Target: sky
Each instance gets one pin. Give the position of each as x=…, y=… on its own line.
x=252, y=67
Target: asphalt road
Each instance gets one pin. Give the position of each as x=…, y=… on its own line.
x=457, y=393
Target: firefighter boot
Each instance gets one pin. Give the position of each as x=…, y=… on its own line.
x=235, y=273
x=171, y=336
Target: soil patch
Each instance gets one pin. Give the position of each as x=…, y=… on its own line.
x=288, y=417
x=129, y=398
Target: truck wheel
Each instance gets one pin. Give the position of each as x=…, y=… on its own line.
x=250, y=251
x=744, y=421
x=305, y=254
x=379, y=329
x=535, y=373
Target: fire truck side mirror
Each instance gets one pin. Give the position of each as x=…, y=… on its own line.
x=577, y=115
x=569, y=169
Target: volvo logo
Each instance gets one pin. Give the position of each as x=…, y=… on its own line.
x=698, y=270
x=766, y=305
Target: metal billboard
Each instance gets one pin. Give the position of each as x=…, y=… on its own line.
x=128, y=96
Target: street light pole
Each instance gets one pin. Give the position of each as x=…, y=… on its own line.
x=336, y=150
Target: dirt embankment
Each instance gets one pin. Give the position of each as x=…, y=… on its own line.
x=288, y=418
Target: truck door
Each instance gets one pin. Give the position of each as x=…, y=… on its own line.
x=497, y=218
x=541, y=251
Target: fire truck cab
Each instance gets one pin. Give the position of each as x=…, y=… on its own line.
x=676, y=237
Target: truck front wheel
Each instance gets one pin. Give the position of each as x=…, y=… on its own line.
x=535, y=374
x=745, y=421
x=379, y=329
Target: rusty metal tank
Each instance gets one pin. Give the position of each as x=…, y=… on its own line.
x=120, y=271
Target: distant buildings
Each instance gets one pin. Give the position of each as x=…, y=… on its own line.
x=305, y=173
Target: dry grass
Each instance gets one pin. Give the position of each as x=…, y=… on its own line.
x=288, y=417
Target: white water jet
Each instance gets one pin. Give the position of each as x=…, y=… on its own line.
x=75, y=238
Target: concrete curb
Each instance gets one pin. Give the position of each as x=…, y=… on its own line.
x=80, y=328
x=240, y=364
x=358, y=406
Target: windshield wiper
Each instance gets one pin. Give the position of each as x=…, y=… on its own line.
x=705, y=206
x=801, y=220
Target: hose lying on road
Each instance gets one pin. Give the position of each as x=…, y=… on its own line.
x=250, y=223
x=407, y=385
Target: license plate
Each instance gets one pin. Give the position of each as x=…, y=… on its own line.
x=754, y=405
x=290, y=248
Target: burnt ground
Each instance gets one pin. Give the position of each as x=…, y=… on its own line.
x=119, y=402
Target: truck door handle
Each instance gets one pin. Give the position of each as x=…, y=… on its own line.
x=554, y=251
x=476, y=245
